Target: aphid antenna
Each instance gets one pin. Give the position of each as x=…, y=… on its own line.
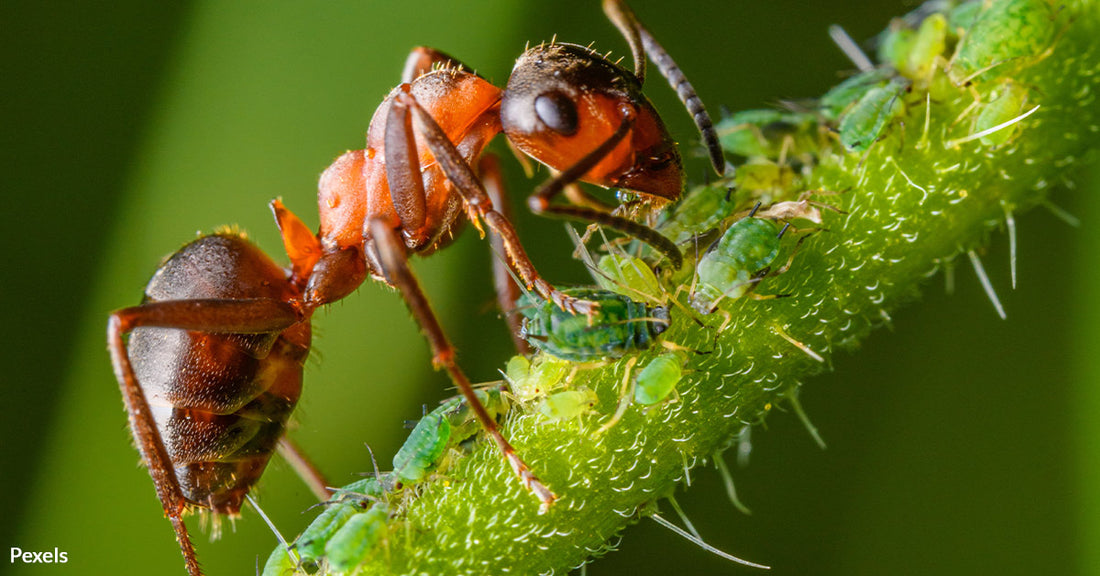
x=809, y=352
x=727, y=480
x=850, y=48
x=796, y=405
x=1061, y=213
x=278, y=535
x=991, y=130
x=979, y=270
x=786, y=225
x=1010, y=224
x=702, y=544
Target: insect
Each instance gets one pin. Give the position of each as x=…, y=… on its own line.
x=866, y=121
x=619, y=325
x=1006, y=103
x=1003, y=36
x=770, y=133
x=915, y=54
x=736, y=263
x=567, y=404
x=658, y=379
x=844, y=95
x=212, y=367
x=444, y=428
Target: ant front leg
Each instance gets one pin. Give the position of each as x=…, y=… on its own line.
x=507, y=289
x=391, y=255
x=540, y=200
x=407, y=190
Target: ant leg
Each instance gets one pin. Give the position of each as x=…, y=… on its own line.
x=304, y=467
x=257, y=315
x=423, y=59
x=393, y=259
x=506, y=288
x=624, y=19
x=403, y=174
x=539, y=201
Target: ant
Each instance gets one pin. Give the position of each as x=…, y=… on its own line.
x=212, y=368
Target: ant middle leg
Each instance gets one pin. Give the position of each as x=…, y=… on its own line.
x=391, y=255
x=506, y=288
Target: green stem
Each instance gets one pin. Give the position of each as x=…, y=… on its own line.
x=910, y=205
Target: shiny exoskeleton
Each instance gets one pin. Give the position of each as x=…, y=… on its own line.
x=222, y=338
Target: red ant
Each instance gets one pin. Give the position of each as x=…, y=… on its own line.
x=213, y=365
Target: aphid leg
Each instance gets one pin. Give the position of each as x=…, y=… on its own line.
x=979, y=270
x=626, y=396
x=700, y=543
x=256, y=315
x=727, y=480
x=809, y=352
x=423, y=59
x=403, y=170
x=506, y=288
x=796, y=405
x=391, y=255
x=306, y=470
x=540, y=200
x=1010, y=224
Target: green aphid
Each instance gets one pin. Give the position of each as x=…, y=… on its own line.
x=769, y=133
x=658, y=379
x=865, y=122
x=568, y=404
x=280, y=563
x=452, y=423
x=354, y=542
x=619, y=325
x=895, y=43
x=700, y=211
x=1006, y=102
x=844, y=95
x=928, y=46
x=763, y=180
x=630, y=276
x=529, y=380
x=310, y=546
x=962, y=17
x=1005, y=35
x=364, y=489
x=736, y=263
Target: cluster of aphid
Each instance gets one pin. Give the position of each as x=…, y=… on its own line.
x=237, y=324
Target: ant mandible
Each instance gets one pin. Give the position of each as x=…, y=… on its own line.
x=213, y=365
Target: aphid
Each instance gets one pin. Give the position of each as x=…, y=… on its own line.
x=1006, y=102
x=841, y=97
x=736, y=263
x=763, y=180
x=1004, y=36
x=618, y=326
x=915, y=54
x=658, y=379
x=568, y=404
x=452, y=423
x=699, y=212
x=345, y=503
x=529, y=379
x=630, y=276
x=280, y=563
x=866, y=121
x=357, y=538
x=218, y=344
x=770, y=134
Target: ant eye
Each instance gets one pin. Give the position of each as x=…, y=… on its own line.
x=557, y=111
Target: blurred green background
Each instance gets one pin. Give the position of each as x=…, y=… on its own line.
x=958, y=443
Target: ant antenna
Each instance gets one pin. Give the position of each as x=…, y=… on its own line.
x=850, y=48
x=700, y=543
x=986, y=284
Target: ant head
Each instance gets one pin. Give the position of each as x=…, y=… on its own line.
x=563, y=101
